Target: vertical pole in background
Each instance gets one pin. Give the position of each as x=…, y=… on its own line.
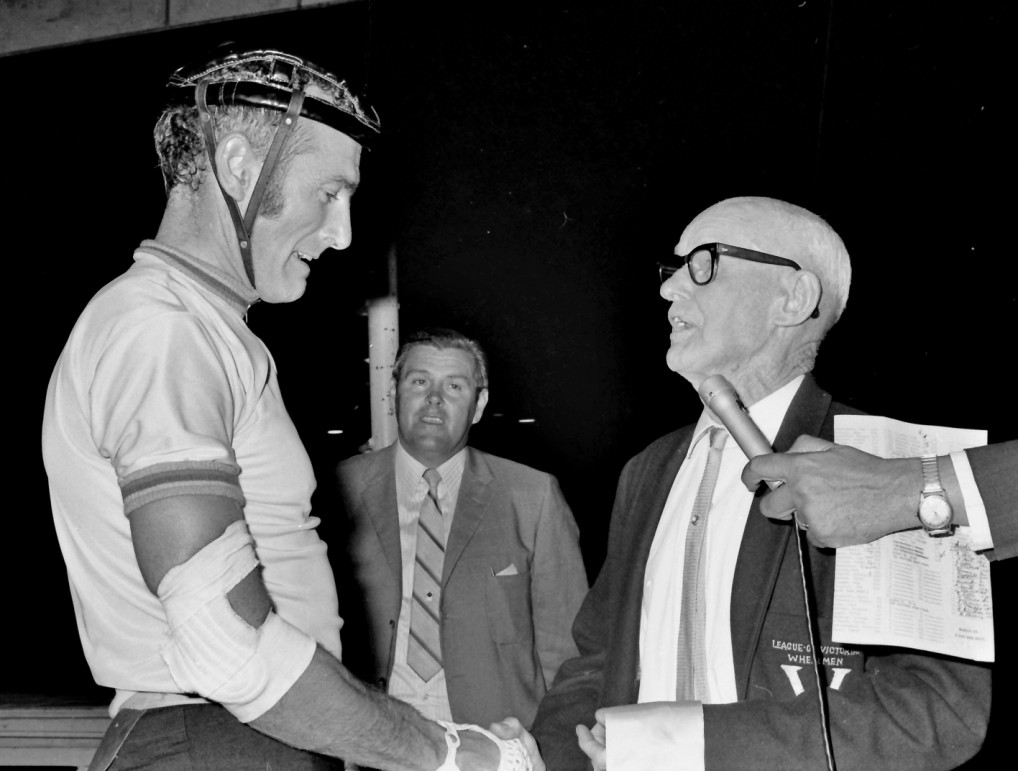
x=383, y=342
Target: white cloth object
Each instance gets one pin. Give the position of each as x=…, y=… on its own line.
x=975, y=509
x=641, y=737
x=513, y=756
x=212, y=650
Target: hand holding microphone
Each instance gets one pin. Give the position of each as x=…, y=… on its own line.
x=720, y=398
x=847, y=496
x=783, y=470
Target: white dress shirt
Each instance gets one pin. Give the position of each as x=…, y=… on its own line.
x=636, y=737
x=430, y=698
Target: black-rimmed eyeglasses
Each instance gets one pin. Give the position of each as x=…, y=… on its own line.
x=702, y=263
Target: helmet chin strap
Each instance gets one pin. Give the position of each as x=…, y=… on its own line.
x=244, y=225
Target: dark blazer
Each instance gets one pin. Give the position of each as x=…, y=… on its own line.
x=890, y=708
x=503, y=636
x=995, y=468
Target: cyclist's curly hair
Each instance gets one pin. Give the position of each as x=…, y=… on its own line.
x=180, y=143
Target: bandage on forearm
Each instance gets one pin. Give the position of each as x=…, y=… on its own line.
x=213, y=651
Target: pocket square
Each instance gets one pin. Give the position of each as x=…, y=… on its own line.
x=509, y=571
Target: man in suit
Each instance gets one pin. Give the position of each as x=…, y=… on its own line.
x=824, y=480
x=695, y=649
x=484, y=631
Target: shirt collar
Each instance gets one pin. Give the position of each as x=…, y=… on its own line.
x=410, y=471
x=239, y=296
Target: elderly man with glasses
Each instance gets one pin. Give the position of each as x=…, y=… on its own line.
x=696, y=641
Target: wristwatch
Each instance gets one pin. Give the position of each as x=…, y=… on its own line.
x=935, y=513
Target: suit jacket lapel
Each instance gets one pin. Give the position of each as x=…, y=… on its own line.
x=379, y=500
x=651, y=498
x=764, y=542
x=471, y=508
x=650, y=489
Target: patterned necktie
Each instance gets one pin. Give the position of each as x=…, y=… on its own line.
x=691, y=662
x=424, y=648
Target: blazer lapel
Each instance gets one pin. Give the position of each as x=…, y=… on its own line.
x=379, y=500
x=651, y=495
x=764, y=542
x=471, y=507
x=650, y=489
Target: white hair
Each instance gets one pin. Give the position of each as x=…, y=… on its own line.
x=790, y=231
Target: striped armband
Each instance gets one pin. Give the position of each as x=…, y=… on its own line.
x=193, y=477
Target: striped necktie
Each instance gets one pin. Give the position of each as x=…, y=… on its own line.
x=691, y=661
x=424, y=648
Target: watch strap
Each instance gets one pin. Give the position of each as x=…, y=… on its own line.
x=931, y=475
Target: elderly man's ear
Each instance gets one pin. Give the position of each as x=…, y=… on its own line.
x=802, y=291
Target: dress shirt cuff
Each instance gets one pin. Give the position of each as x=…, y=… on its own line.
x=975, y=510
x=657, y=734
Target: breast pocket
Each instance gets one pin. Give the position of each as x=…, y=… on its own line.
x=507, y=598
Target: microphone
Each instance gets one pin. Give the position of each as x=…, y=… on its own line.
x=720, y=398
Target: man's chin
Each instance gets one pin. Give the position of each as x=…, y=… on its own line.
x=431, y=437
x=287, y=288
x=429, y=449
x=693, y=376
x=674, y=361
x=278, y=298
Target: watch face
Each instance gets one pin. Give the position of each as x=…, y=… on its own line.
x=934, y=511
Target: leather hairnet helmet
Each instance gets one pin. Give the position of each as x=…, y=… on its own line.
x=272, y=80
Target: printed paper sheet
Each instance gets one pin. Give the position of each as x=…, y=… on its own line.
x=908, y=589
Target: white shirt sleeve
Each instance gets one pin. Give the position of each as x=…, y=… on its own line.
x=665, y=735
x=975, y=509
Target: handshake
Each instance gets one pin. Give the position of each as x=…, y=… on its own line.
x=516, y=748
x=507, y=746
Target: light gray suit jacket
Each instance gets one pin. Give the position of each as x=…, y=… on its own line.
x=503, y=636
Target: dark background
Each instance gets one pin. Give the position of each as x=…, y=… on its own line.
x=539, y=157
